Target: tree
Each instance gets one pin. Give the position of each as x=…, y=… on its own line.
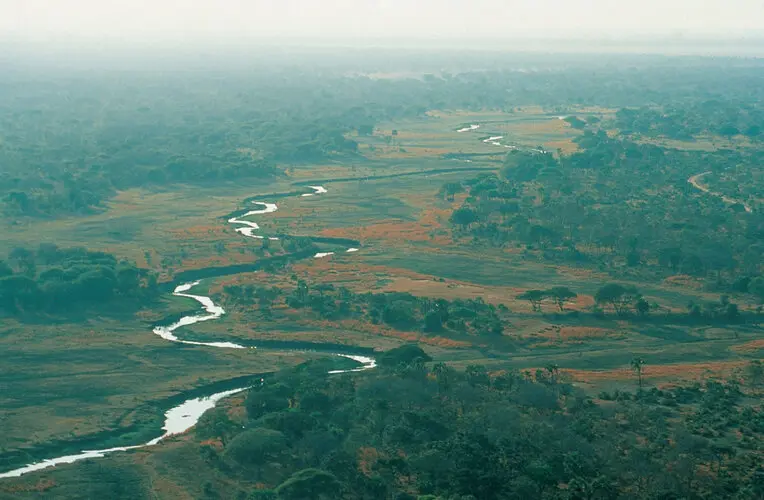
x=732, y=312
x=729, y=131
x=753, y=131
x=534, y=297
x=310, y=484
x=560, y=295
x=433, y=322
x=464, y=217
x=755, y=287
x=445, y=376
x=755, y=372
x=256, y=446
x=638, y=364
x=642, y=306
x=451, y=189
x=477, y=375
x=5, y=269
x=618, y=296
x=403, y=355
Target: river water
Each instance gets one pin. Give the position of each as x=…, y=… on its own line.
x=183, y=417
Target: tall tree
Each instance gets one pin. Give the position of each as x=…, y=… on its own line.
x=638, y=365
x=534, y=297
x=560, y=295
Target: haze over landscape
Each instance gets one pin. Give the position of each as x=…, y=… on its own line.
x=381, y=250
x=141, y=21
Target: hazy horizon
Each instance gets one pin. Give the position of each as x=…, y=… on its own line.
x=142, y=22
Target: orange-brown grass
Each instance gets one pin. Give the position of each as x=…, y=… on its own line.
x=556, y=335
x=583, y=332
x=236, y=410
x=551, y=126
x=752, y=346
x=385, y=331
x=360, y=277
x=367, y=459
x=319, y=171
x=681, y=372
x=39, y=487
x=567, y=146
x=247, y=279
x=395, y=230
x=452, y=290
x=581, y=274
x=409, y=151
x=198, y=232
x=684, y=281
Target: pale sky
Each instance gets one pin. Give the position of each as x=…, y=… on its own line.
x=186, y=20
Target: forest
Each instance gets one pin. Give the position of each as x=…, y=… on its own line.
x=72, y=139
x=598, y=207
x=552, y=268
x=52, y=280
x=415, y=430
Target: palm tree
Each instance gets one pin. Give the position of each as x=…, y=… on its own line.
x=637, y=364
x=553, y=370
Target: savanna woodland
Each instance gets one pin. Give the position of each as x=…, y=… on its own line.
x=383, y=274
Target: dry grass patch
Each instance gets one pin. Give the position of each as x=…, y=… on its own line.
x=673, y=373
x=684, y=281
x=555, y=335
x=567, y=146
x=397, y=230
x=752, y=346
x=450, y=290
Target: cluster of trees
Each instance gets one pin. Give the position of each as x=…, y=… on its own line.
x=560, y=295
x=618, y=206
x=723, y=117
x=71, y=139
x=623, y=299
x=399, y=310
x=413, y=430
x=53, y=280
x=626, y=300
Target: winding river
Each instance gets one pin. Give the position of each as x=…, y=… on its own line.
x=495, y=140
x=183, y=417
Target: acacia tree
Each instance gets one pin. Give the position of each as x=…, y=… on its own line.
x=534, y=297
x=560, y=295
x=638, y=364
x=618, y=296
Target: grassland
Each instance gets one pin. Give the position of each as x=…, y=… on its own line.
x=79, y=377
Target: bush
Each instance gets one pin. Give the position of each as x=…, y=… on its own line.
x=255, y=446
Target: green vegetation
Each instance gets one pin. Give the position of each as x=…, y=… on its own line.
x=399, y=310
x=600, y=208
x=55, y=280
x=570, y=311
x=418, y=430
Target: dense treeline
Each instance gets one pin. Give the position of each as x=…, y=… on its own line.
x=617, y=205
x=71, y=140
x=55, y=280
x=412, y=430
x=474, y=317
x=711, y=117
x=399, y=310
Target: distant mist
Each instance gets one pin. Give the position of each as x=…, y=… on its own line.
x=146, y=22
